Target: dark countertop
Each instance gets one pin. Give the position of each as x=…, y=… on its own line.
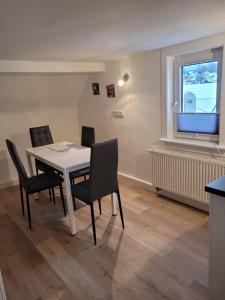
x=216, y=187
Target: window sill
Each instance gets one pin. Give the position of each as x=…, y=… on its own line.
x=193, y=143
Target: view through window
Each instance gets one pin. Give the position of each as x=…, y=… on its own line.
x=199, y=87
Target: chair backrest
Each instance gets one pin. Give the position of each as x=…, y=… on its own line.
x=40, y=136
x=87, y=136
x=18, y=163
x=103, y=169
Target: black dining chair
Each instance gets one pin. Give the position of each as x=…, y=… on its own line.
x=87, y=140
x=33, y=184
x=41, y=136
x=103, y=178
x=87, y=136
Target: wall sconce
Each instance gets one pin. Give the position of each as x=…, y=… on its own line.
x=122, y=81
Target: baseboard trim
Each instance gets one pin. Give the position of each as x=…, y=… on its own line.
x=137, y=181
x=8, y=184
x=188, y=201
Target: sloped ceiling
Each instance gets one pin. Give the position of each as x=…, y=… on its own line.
x=98, y=30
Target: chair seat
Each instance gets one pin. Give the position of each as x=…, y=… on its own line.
x=44, y=167
x=44, y=181
x=79, y=173
x=81, y=191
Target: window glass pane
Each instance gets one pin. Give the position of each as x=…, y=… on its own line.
x=199, y=87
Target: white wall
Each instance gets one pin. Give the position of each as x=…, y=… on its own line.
x=35, y=100
x=140, y=101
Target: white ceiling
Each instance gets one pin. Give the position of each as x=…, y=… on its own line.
x=70, y=30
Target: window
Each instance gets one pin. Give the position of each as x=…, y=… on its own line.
x=199, y=89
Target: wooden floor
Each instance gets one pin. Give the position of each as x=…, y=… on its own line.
x=161, y=254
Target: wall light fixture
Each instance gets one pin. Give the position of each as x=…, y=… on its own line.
x=122, y=81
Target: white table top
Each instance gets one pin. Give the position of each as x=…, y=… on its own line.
x=77, y=157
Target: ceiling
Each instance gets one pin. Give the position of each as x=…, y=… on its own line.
x=71, y=30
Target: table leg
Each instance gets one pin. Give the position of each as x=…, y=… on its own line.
x=31, y=170
x=114, y=204
x=2, y=289
x=70, y=204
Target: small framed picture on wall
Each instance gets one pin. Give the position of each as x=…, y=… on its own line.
x=110, y=90
x=95, y=88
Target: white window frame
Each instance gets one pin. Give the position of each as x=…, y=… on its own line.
x=215, y=54
x=167, y=57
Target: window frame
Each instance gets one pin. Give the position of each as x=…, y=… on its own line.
x=178, y=89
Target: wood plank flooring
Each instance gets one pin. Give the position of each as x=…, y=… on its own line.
x=161, y=254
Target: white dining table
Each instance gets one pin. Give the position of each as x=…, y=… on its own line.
x=75, y=157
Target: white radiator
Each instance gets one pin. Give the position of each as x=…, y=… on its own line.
x=185, y=174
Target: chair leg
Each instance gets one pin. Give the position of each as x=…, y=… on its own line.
x=28, y=210
x=62, y=198
x=50, y=194
x=100, y=206
x=53, y=195
x=21, y=198
x=36, y=169
x=93, y=221
x=120, y=208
